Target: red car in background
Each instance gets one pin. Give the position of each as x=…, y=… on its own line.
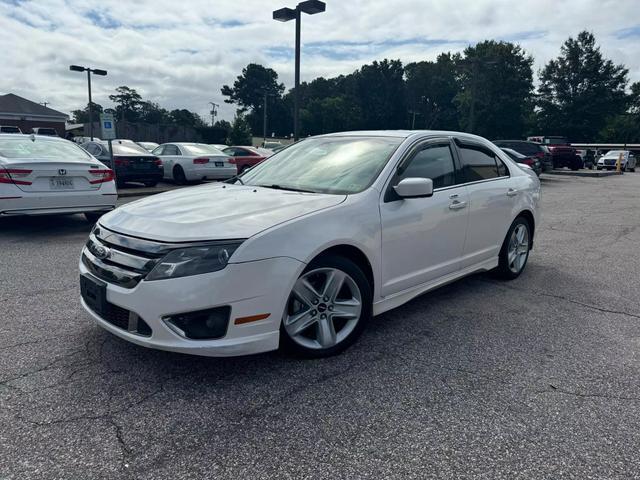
x=246, y=157
x=562, y=153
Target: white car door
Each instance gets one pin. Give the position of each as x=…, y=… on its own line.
x=159, y=152
x=491, y=201
x=423, y=238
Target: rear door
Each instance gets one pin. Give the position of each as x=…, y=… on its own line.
x=490, y=201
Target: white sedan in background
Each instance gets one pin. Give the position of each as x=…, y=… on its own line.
x=610, y=160
x=189, y=162
x=42, y=175
x=303, y=249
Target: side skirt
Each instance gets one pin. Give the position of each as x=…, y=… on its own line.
x=392, y=301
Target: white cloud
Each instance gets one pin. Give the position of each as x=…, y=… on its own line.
x=179, y=54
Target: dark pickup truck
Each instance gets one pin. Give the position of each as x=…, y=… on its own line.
x=562, y=153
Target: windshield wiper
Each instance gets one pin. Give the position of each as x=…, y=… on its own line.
x=233, y=179
x=280, y=187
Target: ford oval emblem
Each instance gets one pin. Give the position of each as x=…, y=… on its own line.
x=101, y=252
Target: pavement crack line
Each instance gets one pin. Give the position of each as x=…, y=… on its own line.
x=566, y=299
x=561, y=391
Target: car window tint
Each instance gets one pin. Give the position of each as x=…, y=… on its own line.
x=434, y=162
x=478, y=163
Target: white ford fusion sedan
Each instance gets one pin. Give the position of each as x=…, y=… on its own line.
x=304, y=248
x=41, y=175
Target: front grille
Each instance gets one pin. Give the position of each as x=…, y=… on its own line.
x=610, y=162
x=119, y=259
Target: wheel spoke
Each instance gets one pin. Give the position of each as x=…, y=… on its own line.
x=348, y=309
x=512, y=257
x=305, y=292
x=326, y=333
x=333, y=284
x=297, y=323
x=520, y=234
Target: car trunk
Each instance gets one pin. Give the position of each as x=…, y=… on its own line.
x=137, y=163
x=51, y=176
x=214, y=161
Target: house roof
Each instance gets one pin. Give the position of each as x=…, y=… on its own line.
x=11, y=104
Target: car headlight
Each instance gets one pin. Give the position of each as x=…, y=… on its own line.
x=194, y=261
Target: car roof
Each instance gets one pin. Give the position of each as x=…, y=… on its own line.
x=405, y=134
x=26, y=136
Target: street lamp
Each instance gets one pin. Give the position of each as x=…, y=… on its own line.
x=95, y=71
x=310, y=7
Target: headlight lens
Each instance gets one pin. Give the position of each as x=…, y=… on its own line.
x=193, y=261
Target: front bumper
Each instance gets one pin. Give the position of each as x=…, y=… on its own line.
x=251, y=288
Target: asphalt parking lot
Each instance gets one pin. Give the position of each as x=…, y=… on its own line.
x=536, y=378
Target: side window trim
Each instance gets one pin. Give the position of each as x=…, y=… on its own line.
x=389, y=193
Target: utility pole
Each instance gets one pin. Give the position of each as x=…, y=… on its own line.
x=95, y=71
x=264, y=117
x=45, y=103
x=214, y=112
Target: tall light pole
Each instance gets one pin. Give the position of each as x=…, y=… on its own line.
x=214, y=111
x=310, y=7
x=95, y=71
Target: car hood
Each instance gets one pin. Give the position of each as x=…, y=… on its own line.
x=213, y=212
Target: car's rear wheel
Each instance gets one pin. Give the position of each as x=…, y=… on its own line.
x=178, y=175
x=327, y=309
x=515, y=249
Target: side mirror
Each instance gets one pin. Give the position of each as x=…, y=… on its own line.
x=414, y=188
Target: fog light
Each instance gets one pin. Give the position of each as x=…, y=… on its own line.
x=201, y=325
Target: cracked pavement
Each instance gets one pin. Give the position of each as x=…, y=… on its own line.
x=535, y=378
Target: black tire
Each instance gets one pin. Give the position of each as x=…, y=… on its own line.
x=503, y=271
x=632, y=170
x=178, y=175
x=351, y=269
x=150, y=184
x=92, y=217
x=598, y=168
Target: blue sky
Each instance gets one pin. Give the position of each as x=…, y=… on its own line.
x=179, y=54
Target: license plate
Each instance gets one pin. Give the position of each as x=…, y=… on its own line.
x=219, y=164
x=61, y=183
x=94, y=293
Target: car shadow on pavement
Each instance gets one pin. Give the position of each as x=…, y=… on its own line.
x=19, y=226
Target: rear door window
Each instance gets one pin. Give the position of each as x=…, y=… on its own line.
x=480, y=163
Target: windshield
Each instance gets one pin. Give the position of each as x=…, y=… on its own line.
x=201, y=150
x=41, y=149
x=615, y=153
x=338, y=165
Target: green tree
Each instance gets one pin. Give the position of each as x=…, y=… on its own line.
x=431, y=90
x=249, y=89
x=151, y=112
x=240, y=133
x=496, y=89
x=380, y=94
x=580, y=90
x=128, y=103
x=625, y=127
x=82, y=116
x=185, y=118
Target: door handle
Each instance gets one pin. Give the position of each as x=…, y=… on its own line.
x=453, y=195
x=512, y=192
x=457, y=205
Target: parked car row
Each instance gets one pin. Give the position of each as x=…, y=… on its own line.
x=47, y=131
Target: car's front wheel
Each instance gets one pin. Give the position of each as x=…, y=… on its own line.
x=515, y=249
x=327, y=309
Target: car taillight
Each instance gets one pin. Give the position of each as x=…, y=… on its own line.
x=200, y=161
x=120, y=162
x=13, y=175
x=527, y=161
x=539, y=154
x=157, y=161
x=102, y=176
x=231, y=160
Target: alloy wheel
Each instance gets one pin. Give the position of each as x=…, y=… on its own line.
x=518, y=248
x=323, y=309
